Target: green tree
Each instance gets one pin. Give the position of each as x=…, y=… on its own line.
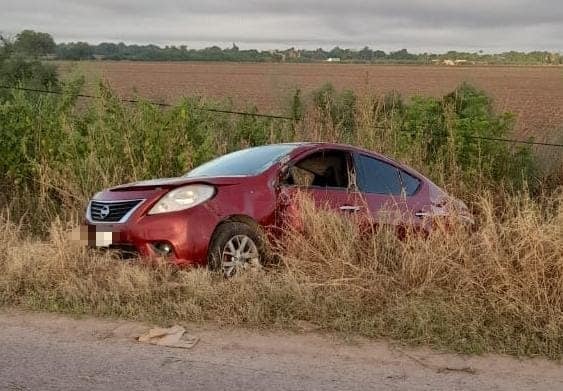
x=18, y=69
x=366, y=54
x=34, y=44
x=402, y=55
x=75, y=51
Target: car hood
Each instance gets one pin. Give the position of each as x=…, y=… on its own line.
x=169, y=183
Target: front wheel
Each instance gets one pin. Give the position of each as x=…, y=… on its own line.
x=236, y=247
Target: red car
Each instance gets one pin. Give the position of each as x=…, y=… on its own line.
x=218, y=213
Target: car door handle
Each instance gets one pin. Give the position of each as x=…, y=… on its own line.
x=350, y=208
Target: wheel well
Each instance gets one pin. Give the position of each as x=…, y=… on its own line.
x=240, y=219
x=250, y=222
x=237, y=219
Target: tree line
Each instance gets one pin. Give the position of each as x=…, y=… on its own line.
x=42, y=45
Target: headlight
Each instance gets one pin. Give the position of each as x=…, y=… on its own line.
x=97, y=195
x=183, y=198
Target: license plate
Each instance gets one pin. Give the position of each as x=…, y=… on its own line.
x=103, y=238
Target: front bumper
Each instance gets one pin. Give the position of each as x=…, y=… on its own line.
x=187, y=233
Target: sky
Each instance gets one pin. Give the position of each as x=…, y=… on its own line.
x=417, y=25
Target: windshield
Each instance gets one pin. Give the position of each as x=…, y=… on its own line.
x=251, y=161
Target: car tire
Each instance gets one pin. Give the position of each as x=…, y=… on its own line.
x=230, y=242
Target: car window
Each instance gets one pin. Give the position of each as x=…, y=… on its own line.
x=378, y=177
x=410, y=183
x=320, y=169
x=250, y=161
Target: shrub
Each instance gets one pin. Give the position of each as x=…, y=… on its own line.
x=18, y=68
x=337, y=109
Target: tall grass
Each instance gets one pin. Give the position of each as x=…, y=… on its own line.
x=497, y=289
x=58, y=150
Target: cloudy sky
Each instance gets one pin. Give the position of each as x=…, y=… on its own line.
x=418, y=25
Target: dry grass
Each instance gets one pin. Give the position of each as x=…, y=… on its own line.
x=499, y=288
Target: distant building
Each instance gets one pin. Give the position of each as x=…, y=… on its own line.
x=277, y=56
x=292, y=54
x=452, y=63
x=333, y=59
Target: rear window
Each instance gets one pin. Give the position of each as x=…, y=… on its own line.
x=251, y=161
x=383, y=178
x=379, y=177
x=410, y=183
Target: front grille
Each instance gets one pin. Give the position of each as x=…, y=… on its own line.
x=112, y=212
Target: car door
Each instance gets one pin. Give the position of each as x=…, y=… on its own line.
x=327, y=177
x=389, y=192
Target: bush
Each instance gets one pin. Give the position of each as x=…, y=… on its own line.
x=474, y=116
x=338, y=109
x=449, y=135
x=20, y=69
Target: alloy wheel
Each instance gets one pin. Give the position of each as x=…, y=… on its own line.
x=239, y=253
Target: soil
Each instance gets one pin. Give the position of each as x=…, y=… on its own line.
x=54, y=352
x=533, y=94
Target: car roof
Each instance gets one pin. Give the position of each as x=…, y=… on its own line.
x=302, y=147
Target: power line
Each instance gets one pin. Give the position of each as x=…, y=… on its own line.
x=505, y=140
x=234, y=112
x=273, y=116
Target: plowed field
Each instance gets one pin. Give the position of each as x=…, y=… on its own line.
x=533, y=94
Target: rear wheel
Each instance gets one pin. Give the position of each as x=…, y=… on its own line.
x=236, y=247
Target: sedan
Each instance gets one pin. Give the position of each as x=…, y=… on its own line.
x=222, y=213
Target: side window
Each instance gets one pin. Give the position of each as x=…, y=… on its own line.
x=378, y=177
x=321, y=169
x=410, y=183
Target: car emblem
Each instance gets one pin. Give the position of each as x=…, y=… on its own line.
x=104, y=212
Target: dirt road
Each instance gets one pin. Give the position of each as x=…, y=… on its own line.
x=53, y=352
